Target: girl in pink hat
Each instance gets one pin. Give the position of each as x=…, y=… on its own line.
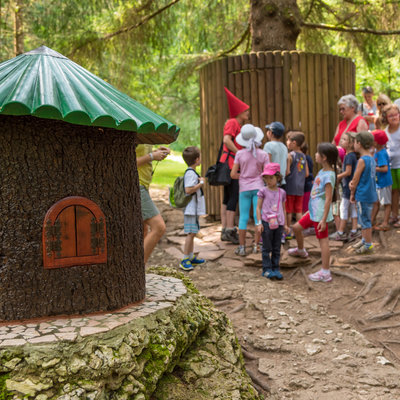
x=271, y=217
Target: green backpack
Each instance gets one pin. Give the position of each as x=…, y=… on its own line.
x=177, y=195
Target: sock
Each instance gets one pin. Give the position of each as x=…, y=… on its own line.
x=326, y=271
x=353, y=231
x=241, y=246
x=340, y=232
x=367, y=245
x=191, y=256
x=185, y=256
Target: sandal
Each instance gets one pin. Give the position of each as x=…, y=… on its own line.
x=385, y=228
x=393, y=220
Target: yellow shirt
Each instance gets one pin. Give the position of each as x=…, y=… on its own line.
x=145, y=170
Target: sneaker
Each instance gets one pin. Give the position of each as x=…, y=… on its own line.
x=267, y=273
x=255, y=248
x=240, y=251
x=354, y=235
x=277, y=274
x=186, y=265
x=358, y=245
x=295, y=252
x=289, y=236
x=224, y=237
x=232, y=236
x=320, y=276
x=197, y=261
x=339, y=237
x=365, y=249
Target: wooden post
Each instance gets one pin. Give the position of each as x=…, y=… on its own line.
x=270, y=85
x=278, y=85
x=287, y=101
x=294, y=55
x=254, y=103
x=311, y=132
x=262, y=106
x=325, y=98
x=303, y=121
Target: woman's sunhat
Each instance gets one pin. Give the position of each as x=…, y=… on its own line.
x=250, y=134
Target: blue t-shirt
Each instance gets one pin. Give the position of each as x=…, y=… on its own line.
x=366, y=188
x=349, y=159
x=383, y=179
x=318, y=196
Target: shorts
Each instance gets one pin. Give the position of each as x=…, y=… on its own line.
x=364, y=211
x=396, y=178
x=345, y=207
x=294, y=204
x=306, y=222
x=191, y=224
x=384, y=195
x=231, y=195
x=149, y=210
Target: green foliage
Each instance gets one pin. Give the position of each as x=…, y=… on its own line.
x=4, y=393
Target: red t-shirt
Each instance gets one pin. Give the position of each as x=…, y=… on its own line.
x=342, y=128
x=231, y=128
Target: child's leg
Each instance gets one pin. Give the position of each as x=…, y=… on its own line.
x=266, y=249
x=276, y=247
x=386, y=216
x=254, y=201
x=244, y=213
x=325, y=253
x=189, y=244
x=367, y=235
x=375, y=211
x=395, y=203
x=298, y=232
x=299, y=207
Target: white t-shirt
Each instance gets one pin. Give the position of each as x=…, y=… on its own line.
x=279, y=154
x=393, y=148
x=196, y=206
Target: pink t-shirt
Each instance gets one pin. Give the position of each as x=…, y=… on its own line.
x=272, y=203
x=251, y=168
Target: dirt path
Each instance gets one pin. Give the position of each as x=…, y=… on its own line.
x=304, y=341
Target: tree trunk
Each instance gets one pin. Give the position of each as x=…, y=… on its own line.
x=42, y=162
x=275, y=24
x=18, y=28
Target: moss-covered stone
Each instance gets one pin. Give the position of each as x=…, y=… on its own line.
x=188, y=350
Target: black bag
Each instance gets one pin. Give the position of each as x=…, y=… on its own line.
x=219, y=174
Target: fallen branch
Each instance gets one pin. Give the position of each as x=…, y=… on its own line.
x=293, y=273
x=369, y=285
x=258, y=381
x=382, y=317
x=372, y=300
x=238, y=308
x=393, y=293
x=348, y=276
x=306, y=278
x=377, y=328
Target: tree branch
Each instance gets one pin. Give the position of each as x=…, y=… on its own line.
x=349, y=29
x=237, y=44
x=127, y=28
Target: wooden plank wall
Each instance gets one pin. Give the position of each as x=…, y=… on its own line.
x=299, y=89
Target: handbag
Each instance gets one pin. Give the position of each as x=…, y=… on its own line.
x=272, y=219
x=219, y=174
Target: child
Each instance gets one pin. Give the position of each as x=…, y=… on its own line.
x=275, y=149
x=296, y=174
x=363, y=189
x=347, y=209
x=320, y=210
x=309, y=180
x=383, y=180
x=251, y=161
x=196, y=207
x=271, y=214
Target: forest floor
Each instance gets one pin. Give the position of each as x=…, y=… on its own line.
x=302, y=339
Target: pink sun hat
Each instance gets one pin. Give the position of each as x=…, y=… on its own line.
x=342, y=152
x=271, y=169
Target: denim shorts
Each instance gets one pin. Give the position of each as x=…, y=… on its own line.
x=364, y=211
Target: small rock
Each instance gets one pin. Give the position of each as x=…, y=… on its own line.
x=312, y=349
x=382, y=360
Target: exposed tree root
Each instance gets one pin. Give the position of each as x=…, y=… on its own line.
x=382, y=239
x=383, y=344
x=348, y=276
x=248, y=355
x=369, y=285
x=372, y=300
x=221, y=302
x=395, y=304
x=238, y=308
x=369, y=258
x=377, y=328
x=393, y=293
x=296, y=270
x=382, y=317
x=306, y=278
x=258, y=381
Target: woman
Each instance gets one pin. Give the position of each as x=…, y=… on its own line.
x=381, y=102
x=391, y=116
x=239, y=114
x=368, y=108
x=352, y=122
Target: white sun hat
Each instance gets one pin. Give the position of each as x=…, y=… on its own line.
x=249, y=136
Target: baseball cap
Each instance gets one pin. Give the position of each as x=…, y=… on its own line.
x=277, y=128
x=380, y=136
x=271, y=169
x=364, y=137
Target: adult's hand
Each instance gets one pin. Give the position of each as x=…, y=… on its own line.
x=160, y=153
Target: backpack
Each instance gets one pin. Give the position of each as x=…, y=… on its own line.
x=177, y=195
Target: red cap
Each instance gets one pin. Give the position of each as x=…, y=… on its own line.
x=380, y=137
x=236, y=106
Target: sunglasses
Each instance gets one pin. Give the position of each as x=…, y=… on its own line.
x=381, y=104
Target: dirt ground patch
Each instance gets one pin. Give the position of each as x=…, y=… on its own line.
x=303, y=340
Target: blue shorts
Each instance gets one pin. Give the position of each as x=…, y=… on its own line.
x=364, y=211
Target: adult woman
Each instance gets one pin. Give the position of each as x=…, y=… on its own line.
x=239, y=114
x=381, y=102
x=391, y=116
x=368, y=108
x=352, y=122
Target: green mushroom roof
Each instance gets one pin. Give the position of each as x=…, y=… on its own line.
x=46, y=84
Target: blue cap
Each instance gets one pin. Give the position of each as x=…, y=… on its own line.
x=277, y=128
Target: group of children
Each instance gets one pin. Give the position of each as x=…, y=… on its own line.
x=274, y=182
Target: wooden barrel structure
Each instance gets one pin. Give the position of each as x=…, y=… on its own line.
x=299, y=89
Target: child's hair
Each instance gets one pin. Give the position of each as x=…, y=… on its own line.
x=190, y=154
x=331, y=153
x=296, y=136
x=385, y=111
x=278, y=177
x=351, y=139
x=304, y=148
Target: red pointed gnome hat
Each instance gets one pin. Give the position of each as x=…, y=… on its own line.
x=236, y=106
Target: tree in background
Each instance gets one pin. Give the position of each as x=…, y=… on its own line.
x=151, y=49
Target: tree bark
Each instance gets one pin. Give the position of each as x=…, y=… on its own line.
x=275, y=24
x=42, y=162
x=18, y=28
